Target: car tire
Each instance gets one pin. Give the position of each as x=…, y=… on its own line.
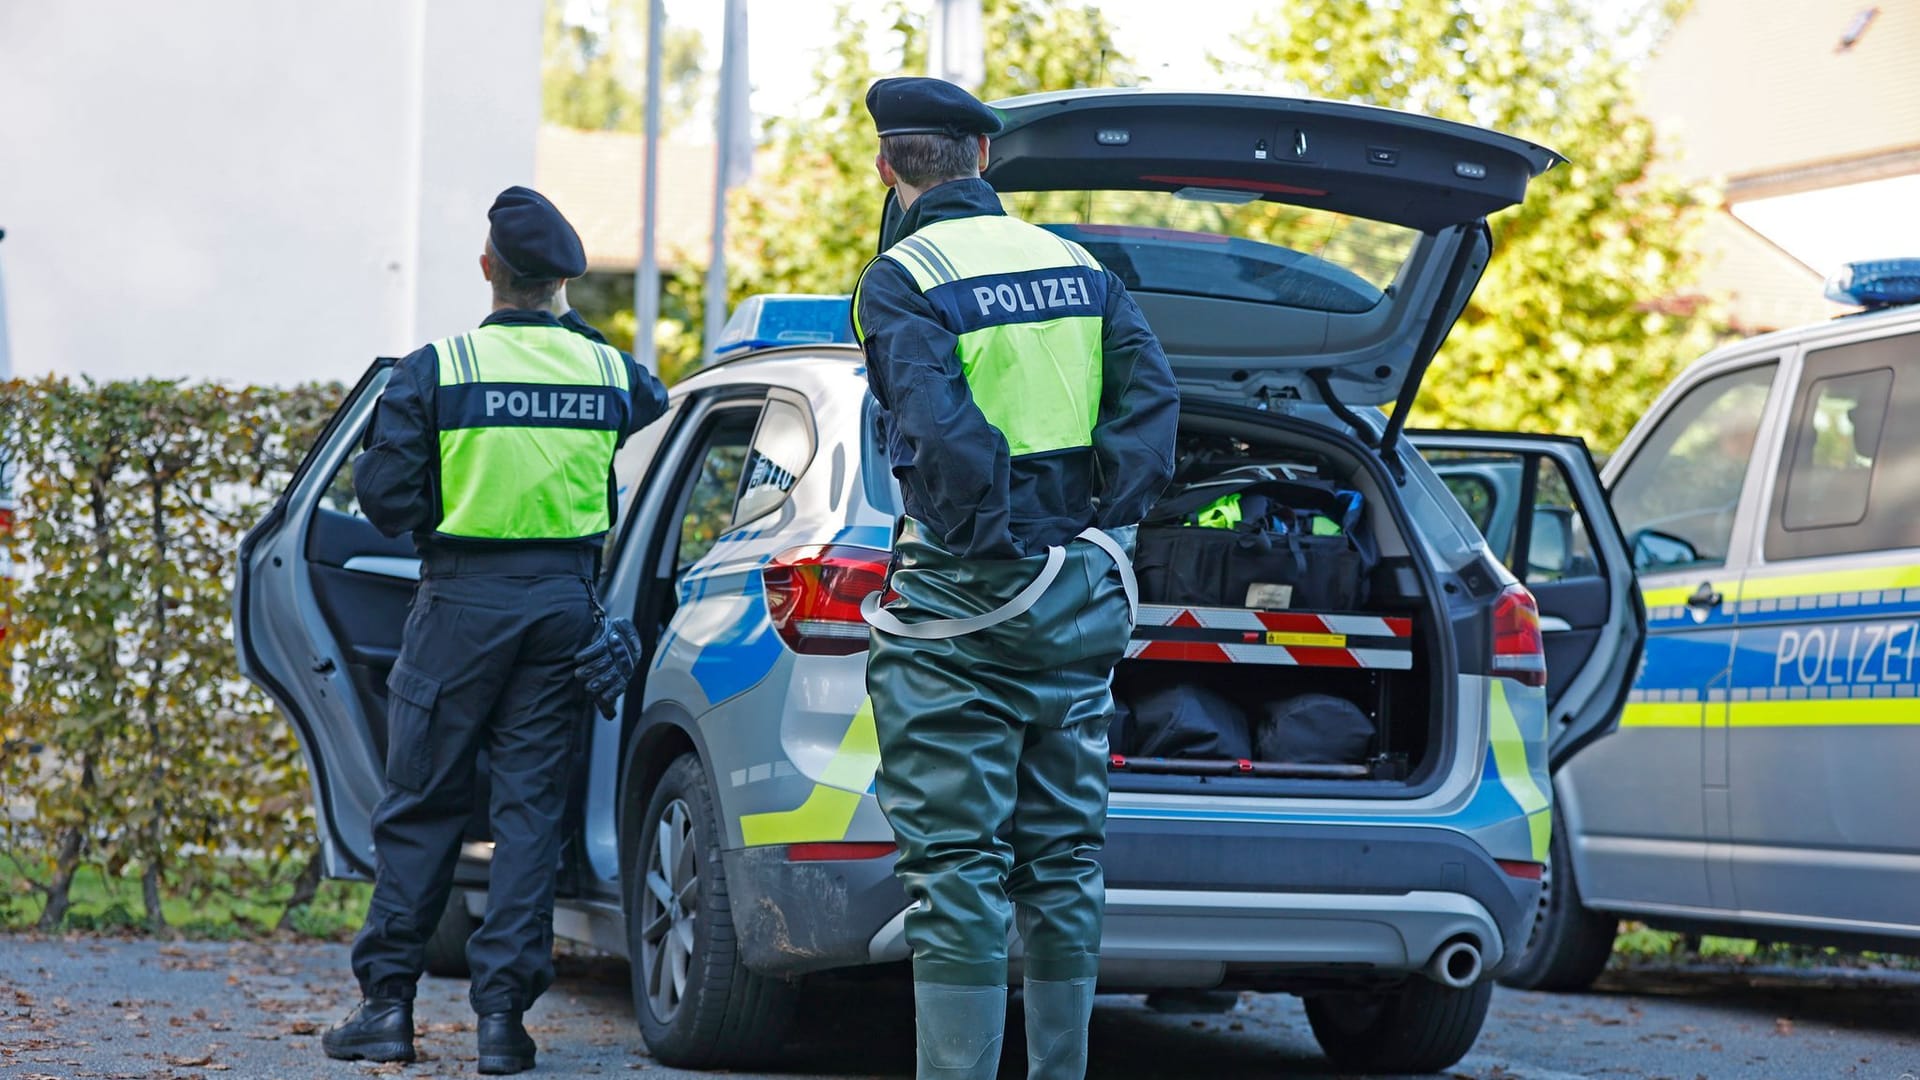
x=699, y=1007
x=1417, y=1027
x=446, y=953
x=1569, y=945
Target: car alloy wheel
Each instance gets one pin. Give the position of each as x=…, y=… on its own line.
x=669, y=906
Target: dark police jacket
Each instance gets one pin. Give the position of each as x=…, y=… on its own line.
x=956, y=475
x=396, y=477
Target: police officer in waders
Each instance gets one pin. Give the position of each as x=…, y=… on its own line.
x=495, y=450
x=1029, y=413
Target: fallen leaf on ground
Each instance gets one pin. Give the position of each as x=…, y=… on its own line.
x=451, y=1027
x=187, y=1062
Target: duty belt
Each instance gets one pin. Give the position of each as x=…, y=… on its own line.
x=939, y=629
x=571, y=560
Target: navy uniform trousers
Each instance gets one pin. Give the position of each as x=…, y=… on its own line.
x=486, y=661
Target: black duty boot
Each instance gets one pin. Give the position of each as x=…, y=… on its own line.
x=378, y=1029
x=505, y=1046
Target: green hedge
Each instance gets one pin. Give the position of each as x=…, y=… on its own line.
x=129, y=743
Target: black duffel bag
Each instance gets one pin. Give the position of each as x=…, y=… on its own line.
x=1250, y=564
x=1313, y=729
x=1179, y=720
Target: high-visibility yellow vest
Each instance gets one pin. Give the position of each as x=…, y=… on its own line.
x=529, y=419
x=1027, y=308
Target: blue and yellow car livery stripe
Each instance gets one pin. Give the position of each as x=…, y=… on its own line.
x=829, y=807
x=1509, y=812
x=1837, y=648
x=731, y=656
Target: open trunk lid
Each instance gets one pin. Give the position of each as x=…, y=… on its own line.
x=1281, y=248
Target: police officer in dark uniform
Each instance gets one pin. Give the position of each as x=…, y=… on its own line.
x=495, y=450
x=1030, y=416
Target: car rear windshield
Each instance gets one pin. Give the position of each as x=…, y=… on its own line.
x=1229, y=244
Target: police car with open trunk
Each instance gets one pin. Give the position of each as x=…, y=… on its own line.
x=1301, y=261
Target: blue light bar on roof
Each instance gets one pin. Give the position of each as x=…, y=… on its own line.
x=771, y=319
x=1876, y=283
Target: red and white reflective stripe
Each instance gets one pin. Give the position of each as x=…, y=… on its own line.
x=1211, y=652
x=1301, y=622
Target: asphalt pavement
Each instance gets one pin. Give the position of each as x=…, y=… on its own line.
x=123, y=1009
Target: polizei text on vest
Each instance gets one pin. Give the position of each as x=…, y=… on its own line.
x=588, y=405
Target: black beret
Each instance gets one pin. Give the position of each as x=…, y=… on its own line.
x=533, y=238
x=922, y=106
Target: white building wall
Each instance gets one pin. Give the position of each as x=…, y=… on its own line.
x=266, y=191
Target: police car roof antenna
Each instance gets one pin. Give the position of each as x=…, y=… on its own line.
x=1323, y=381
x=1429, y=345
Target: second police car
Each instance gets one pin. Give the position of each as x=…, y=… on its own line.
x=1760, y=781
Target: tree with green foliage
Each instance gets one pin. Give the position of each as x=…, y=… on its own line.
x=1586, y=311
x=811, y=221
x=593, y=71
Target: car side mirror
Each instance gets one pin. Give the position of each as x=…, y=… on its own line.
x=1550, y=552
x=1653, y=549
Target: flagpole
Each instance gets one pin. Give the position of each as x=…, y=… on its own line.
x=646, y=275
x=724, y=167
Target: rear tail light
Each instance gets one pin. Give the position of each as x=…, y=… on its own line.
x=814, y=594
x=1518, y=651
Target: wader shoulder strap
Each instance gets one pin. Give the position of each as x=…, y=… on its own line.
x=940, y=629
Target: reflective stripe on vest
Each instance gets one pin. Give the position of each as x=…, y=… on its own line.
x=1026, y=306
x=529, y=418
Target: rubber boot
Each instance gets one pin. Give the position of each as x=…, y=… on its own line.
x=958, y=1030
x=1058, y=1012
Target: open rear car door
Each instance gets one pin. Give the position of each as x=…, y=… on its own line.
x=1538, y=501
x=319, y=605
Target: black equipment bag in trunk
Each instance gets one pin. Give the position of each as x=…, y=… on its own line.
x=1181, y=719
x=1253, y=563
x=1313, y=728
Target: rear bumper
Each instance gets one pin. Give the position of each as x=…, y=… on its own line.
x=1191, y=902
x=794, y=917
x=1160, y=938
x=1302, y=891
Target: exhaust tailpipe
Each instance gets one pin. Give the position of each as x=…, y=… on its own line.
x=1456, y=964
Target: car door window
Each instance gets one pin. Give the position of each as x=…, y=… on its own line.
x=1559, y=540
x=1677, y=497
x=782, y=449
x=1552, y=542
x=339, y=496
x=635, y=459
x=1846, y=477
x=1478, y=495
x=715, y=490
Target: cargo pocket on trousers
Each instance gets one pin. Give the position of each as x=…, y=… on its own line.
x=411, y=695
